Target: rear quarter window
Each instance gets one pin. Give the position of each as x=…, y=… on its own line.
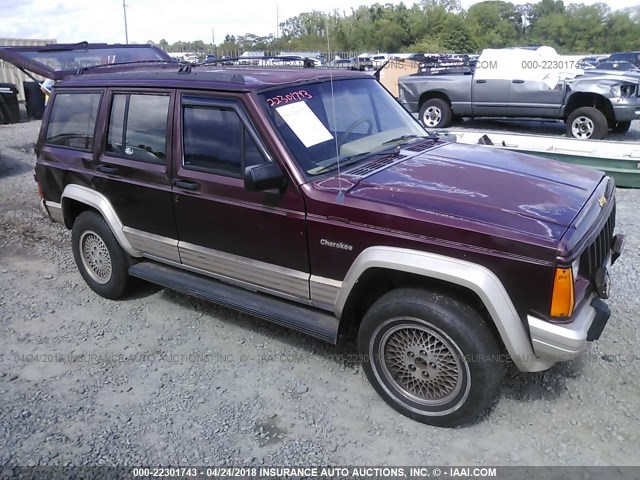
x=72, y=121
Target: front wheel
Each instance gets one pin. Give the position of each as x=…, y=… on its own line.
x=621, y=127
x=431, y=357
x=587, y=123
x=435, y=113
x=99, y=257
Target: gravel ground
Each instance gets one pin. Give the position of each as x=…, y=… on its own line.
x=163, y=378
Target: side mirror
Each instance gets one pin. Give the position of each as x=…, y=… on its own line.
x=268, y=176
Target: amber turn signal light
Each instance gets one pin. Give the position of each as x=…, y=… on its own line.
x=562, y=300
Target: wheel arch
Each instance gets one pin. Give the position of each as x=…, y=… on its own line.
x=77, y=199
x=588, y=99
x=431, y=94
x=365, y=279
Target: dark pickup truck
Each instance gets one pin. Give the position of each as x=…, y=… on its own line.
x=312, y=199
x=590, y=104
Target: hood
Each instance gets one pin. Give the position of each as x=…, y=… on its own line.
x=609, y=75
x=501, y=188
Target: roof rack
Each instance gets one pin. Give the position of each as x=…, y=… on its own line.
x=81, y=70
x=289, y=61
x=442, y=65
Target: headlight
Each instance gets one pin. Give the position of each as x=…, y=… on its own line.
x=626, y=90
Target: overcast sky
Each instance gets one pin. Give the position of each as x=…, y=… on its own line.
x=70, y=21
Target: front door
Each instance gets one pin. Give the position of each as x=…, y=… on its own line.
x=254, y=239
x=533, y=98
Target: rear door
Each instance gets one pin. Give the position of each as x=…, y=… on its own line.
x=255, y=239
x=133, y=167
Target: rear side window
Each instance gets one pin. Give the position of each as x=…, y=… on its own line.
x=216, y=141
x=73, y=120
x=138, y=127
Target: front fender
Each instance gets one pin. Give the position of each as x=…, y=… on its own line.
x=480, y=280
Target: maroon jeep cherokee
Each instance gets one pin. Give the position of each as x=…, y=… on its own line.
x=312, y=199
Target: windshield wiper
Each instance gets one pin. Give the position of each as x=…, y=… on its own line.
x=404, y=138
x=348, y=160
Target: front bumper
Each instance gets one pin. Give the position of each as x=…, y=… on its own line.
x=625, y=112
x=559, y=343
x=52, y=210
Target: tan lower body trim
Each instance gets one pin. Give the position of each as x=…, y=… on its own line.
x=153, y=245
x=294, y=283
x=324, y=292
x=245, y=272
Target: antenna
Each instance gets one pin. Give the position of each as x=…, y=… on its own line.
x=340, y=196
x=126, y=31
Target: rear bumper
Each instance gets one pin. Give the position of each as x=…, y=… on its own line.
x=558, y=343
x=52, y=210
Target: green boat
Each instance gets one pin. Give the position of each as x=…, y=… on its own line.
x=617, y=159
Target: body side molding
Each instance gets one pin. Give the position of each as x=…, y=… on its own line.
x=99, y=202
x=466, y=274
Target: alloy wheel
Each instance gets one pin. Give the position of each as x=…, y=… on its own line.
x=423, y=364
x=95, y=257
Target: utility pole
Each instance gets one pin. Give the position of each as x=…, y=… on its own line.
x=126, y=32
x=277, y=22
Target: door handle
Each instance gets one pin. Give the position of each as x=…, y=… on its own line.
x=517, y=81
x=186, y=184
x=481, y=81
x=111, y=170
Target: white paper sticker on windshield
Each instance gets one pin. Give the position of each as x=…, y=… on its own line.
x=304, y=123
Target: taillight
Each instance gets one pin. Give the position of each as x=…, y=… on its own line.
x=562, y=299
x=40, y=192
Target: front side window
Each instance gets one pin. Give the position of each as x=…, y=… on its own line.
x=329, y=123
x=216, y=141
x=138, y=127
x=73, y=120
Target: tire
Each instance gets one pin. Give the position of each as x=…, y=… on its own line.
x=397, y=337
x=587, y=123
x=435, y=113
x=100, y=259
x=621, y=127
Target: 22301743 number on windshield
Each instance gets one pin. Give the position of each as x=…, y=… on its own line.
x=289, y=97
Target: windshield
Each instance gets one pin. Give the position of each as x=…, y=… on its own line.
x=367, y=120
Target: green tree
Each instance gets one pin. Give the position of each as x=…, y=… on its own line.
x=627, y=33
x=458, y=37
x=495, y=24
x=432, y=26
x=552, y=30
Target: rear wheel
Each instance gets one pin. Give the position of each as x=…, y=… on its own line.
x=99, y=257
x=431, y=357
x=436, y=113
x=587, y=123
